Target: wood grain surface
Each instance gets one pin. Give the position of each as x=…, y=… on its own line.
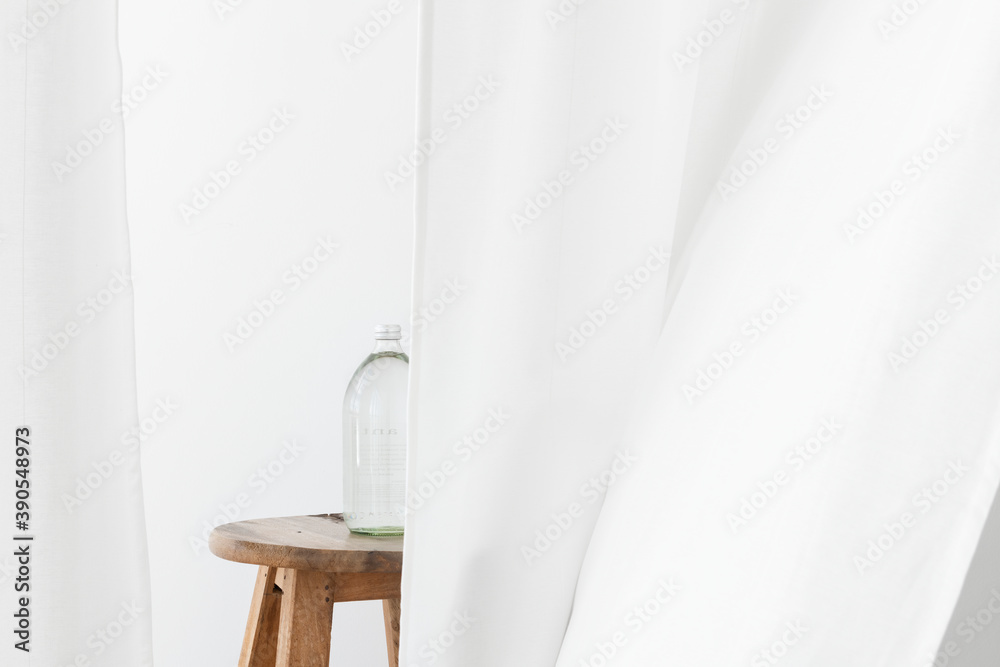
x=390, y=613
x=320, y=543
x=260, y=643
x=306, y=618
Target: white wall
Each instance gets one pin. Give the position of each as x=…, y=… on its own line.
x=226, y=66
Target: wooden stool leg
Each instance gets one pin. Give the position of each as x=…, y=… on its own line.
x=260, y=642
x=306, y=618
x=390, y=610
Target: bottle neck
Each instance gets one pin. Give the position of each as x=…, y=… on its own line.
x=383, y=346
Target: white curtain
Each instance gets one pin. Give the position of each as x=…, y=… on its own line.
x=704, y=361
x=779, y=449
x=67, y=344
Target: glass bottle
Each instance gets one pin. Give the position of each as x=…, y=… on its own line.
x=375, y=438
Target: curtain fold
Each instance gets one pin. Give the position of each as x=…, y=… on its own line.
x=67, y=337
x=785, y=452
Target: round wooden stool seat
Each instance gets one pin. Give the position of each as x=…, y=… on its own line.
x=306, y=564
x=322, y=543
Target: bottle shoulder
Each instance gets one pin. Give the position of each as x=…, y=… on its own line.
x=378, y=369
x=382, y=360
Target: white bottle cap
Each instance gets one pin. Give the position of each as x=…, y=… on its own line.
x=388, y=332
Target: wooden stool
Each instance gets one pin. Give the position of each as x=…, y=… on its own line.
x=306, y=564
